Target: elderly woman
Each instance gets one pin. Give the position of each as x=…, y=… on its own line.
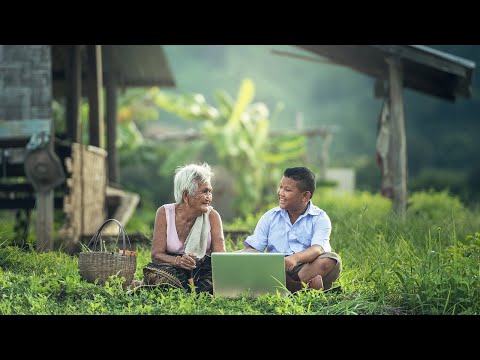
x=186, y=233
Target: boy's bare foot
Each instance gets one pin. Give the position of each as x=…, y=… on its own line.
x=316, y=283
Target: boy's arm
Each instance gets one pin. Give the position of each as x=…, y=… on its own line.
x=247, y=249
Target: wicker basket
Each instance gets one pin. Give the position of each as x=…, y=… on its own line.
x=100, y=265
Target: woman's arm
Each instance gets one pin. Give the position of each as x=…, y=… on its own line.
x=159, y=241
x=216, y=228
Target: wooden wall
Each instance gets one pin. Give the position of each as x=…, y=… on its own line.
x=25, y=82
x=84, y=205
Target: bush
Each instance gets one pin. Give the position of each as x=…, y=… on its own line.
x=430, y=205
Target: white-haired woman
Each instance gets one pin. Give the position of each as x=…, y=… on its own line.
x=186, y=233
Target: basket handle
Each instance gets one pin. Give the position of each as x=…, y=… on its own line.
x=99, y=231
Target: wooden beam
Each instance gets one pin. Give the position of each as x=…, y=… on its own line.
x=193, y=134
x=324, y=156
x=17, y=187
x=27, y=202
x=22, y=130
x=111, y=117
x=422, y=57
x=398, y=140
x=24, y=203
x=44, y=223
x=73, y=79
x=95, y=85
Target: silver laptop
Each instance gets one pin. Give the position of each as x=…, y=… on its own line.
x=252, y=274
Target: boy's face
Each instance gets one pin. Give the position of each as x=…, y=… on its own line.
x=290, y=197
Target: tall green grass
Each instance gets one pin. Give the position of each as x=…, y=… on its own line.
x=427, y=263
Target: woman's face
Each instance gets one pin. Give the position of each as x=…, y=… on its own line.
x=202, y=198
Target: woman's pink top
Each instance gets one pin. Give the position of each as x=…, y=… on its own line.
x=174, y=245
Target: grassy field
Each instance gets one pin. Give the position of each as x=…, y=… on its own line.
x=427, y=263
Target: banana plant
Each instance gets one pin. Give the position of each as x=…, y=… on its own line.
x=238, y=130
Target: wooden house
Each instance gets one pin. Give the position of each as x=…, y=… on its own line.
x=44, y=170
x=395, y=67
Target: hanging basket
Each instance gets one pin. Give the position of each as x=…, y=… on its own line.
x=95, y=264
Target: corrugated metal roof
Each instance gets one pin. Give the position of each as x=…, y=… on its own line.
x=424, y=69
x=442, y=54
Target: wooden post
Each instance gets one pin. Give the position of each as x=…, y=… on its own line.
x=111, y=117
x=299, y=127
x=73, y=78
x=95, y=85
x=398, y=141
x=324, y=156
x=44, y=221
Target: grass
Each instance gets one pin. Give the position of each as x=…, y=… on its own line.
x=426, y=264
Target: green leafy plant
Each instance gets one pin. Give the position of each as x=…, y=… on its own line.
x=238, y=130
x=390, y=266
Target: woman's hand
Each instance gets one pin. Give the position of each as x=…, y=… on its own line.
x=187, y=262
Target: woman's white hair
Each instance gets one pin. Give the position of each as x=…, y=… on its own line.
x=188, y=177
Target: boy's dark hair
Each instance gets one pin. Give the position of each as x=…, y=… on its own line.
x=304, y=176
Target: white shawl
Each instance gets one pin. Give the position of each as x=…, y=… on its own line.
x=197, y=239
